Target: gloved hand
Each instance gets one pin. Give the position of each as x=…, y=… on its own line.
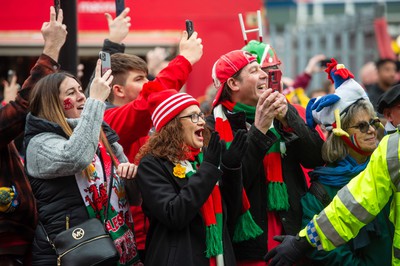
x=213, y=152
x=309, y=117
x=232, y=157
x=324, y=101
x=290, y=251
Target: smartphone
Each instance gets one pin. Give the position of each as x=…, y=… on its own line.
x=105, y=62
x=119, y=7
x=274, y=79
x=189, y=27
x=57, y=7
x=10, y=75
x=323, y=63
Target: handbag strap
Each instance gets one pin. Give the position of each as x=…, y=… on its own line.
x=108, y=201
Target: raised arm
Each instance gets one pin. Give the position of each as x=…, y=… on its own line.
x=12, y=115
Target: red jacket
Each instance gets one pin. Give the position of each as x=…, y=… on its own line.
x=132, y=123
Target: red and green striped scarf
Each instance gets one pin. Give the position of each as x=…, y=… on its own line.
x=211, y=211
x=277, y=193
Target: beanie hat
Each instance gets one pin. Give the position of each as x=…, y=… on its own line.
x=165, y=104
x=266, y=55
x=347, y=92
x=227, y=66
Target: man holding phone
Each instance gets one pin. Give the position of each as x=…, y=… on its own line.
x=279, y=143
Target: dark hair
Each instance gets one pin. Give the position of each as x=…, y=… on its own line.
x=121, y=64
x=226, y=90
x=383, y=61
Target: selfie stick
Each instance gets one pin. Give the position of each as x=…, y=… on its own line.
x=259, y=29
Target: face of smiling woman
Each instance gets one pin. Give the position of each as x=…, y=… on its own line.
x=72, y=98
x=192, y=131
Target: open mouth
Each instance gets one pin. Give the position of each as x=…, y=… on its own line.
x=80, y=107
x=262, y=87
x=199, y=133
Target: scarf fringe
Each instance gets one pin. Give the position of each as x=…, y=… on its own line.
x=278, y=198
x=213, y=241
x=246, y=228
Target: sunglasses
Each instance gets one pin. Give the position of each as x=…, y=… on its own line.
x=363, y=126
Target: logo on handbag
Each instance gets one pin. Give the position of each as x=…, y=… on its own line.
x=78, y=233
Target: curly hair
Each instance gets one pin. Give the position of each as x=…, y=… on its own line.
x=168, y=143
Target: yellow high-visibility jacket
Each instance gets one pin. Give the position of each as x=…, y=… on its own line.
x=361, y=200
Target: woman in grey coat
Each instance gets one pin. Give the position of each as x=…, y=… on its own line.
x=70, y=157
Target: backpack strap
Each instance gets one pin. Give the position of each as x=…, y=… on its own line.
x=318, y=190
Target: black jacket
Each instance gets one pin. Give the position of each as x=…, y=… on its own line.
x=303, y=148
x=177, y=232
x=57, y=199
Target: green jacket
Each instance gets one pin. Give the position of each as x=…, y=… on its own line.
x=373, y=249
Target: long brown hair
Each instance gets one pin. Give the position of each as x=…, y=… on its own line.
x=45, y=103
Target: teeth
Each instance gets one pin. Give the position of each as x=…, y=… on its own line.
x=262, y=86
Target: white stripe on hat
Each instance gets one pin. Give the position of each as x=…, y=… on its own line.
x=226, y=59
x=169, y=105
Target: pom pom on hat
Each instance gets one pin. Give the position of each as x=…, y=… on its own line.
x=165, y=104
x=347, y=92
x=227, y=66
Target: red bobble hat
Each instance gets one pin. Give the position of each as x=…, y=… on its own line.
x=165, y=104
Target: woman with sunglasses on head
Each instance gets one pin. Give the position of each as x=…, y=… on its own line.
x=191, y=195
x=71, y=156
x=347, y=150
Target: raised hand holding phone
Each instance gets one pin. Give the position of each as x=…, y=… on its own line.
x=105, y=62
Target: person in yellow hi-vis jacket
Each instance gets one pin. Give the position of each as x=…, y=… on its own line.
x=354, y=206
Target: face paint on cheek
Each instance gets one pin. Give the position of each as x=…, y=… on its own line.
x=68, y=104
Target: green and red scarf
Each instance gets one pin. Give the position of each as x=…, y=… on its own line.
x=211, y=211
x=278, y=198
x=119, y=222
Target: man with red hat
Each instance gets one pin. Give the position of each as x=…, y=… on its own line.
x=279, y=142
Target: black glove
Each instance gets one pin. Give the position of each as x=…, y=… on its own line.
x=292, y=249
x=232, y=157
x=213, y=152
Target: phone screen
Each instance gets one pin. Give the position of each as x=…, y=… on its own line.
x=274, y=79
x=189, y=27
x=105, y=62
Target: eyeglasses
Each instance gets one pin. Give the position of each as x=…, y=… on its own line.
x=363, y=126
x=194, y=117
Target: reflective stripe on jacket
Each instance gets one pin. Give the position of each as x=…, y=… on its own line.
x=361, y=200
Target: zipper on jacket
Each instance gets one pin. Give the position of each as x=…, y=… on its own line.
x=67, y=221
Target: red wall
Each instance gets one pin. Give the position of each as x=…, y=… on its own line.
x=216, y=21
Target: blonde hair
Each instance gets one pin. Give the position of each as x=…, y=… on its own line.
x=335, y=148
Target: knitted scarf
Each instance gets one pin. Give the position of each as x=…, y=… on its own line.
x=211, y=211
x=119, y=222
x=339, y=174
x=246, y=228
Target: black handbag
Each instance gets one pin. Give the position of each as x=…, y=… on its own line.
x=87, y=243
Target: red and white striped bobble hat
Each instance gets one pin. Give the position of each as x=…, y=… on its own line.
x=165, y=105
